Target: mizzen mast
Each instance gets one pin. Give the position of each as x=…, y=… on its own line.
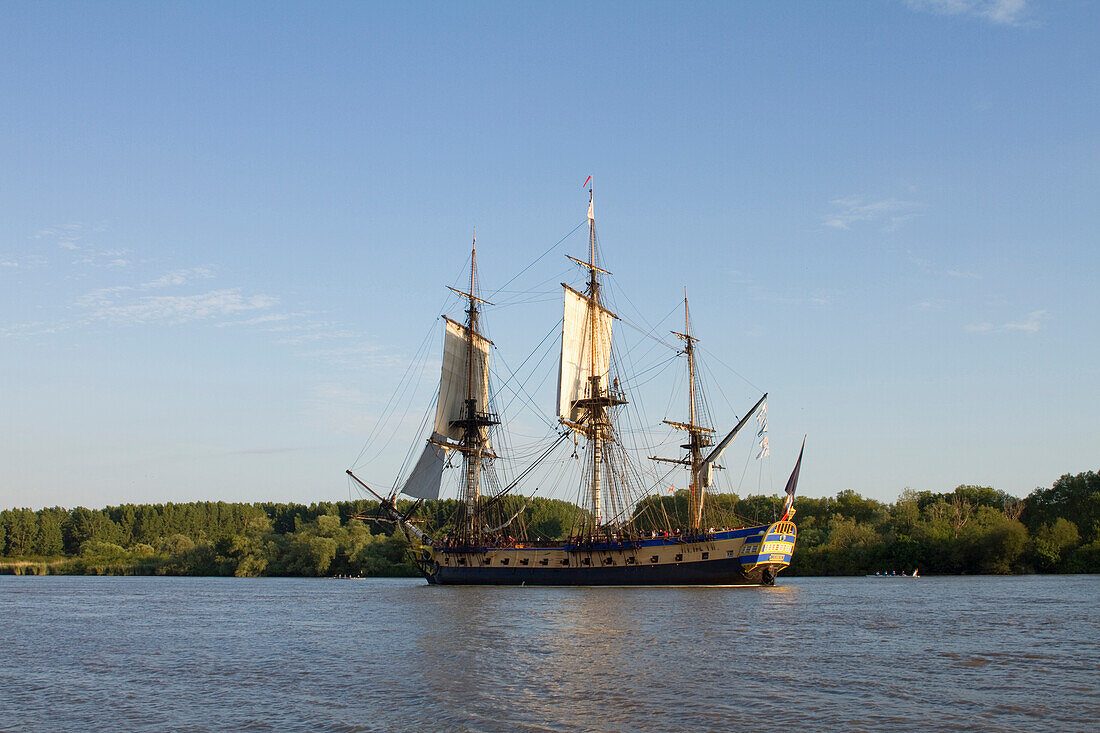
x=699, y=436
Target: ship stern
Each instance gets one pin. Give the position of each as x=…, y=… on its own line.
x=768, y=553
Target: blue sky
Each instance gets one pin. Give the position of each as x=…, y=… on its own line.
x=225, y=228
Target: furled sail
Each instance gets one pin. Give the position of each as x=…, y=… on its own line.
x=707, y=465
x=461, y=378
x=578, y=359
x=423, y=482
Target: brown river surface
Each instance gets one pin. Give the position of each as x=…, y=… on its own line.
x=205, y=654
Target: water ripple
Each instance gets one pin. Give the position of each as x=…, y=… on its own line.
x=198, y=654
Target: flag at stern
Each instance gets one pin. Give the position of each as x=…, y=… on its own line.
x=792, y=484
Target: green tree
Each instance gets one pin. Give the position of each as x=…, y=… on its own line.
x=1003, y=546
x=123, y=517
x=200, y=560
x=49, y=542
x=760, y=509
x=85, y=525
x=1053, y=540
x=905, y=513
x=148, y=524
x=176, y=545
x=309, y=556
x=245, y=554
x=864, y=511
x=388, y=556
x=1075, y=498
x=22, y=530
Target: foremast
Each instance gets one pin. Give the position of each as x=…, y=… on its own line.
x=474, y=417
x=462, y=416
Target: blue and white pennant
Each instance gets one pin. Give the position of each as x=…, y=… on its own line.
x=762, y=432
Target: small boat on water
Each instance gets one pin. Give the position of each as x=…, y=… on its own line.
x=619, y=537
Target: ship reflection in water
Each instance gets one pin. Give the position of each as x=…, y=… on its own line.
x=802, y=653
x=586, y=658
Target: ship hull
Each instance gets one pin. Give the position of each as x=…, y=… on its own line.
x=721, y=572
x=747, y=556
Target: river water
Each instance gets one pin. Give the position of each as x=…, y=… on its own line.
x=197, y=654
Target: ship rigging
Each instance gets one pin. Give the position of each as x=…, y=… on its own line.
x=622, y=514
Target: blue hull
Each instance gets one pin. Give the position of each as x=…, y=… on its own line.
x=710, y=572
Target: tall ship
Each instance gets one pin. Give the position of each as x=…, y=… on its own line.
x=623, y=528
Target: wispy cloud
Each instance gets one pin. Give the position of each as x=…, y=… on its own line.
x=363, y=356
x=340, y=408
x=110, y=295
x=999, y=12
x=175, y=296
x=296, y=328
x=178, y=277
x=1030, y=324
x=261, y=451
x=178, y=308
x=109, y=258
x=311, y=332
x=133, y=304
x=932, y=268
x=762, y=294
x=259, y=320
x=888, y=213
x=36, y=328
x=22, y=260
x=68, y=232
x=79, y=240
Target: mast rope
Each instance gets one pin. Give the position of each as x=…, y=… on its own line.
x=519, y=511
x=727, y=366
x=523, y=474
x=402, y=388
x=521, y=390
x=536, y=260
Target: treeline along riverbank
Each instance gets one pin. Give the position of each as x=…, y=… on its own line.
x=972, y=529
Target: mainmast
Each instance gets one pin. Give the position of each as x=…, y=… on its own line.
x=597, y=422
x=584, y=397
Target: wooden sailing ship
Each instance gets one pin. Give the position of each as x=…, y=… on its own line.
x=608, y=545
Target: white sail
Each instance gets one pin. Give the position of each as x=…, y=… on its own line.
x=578, y=360
x=454, y=386
x=423, y=482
